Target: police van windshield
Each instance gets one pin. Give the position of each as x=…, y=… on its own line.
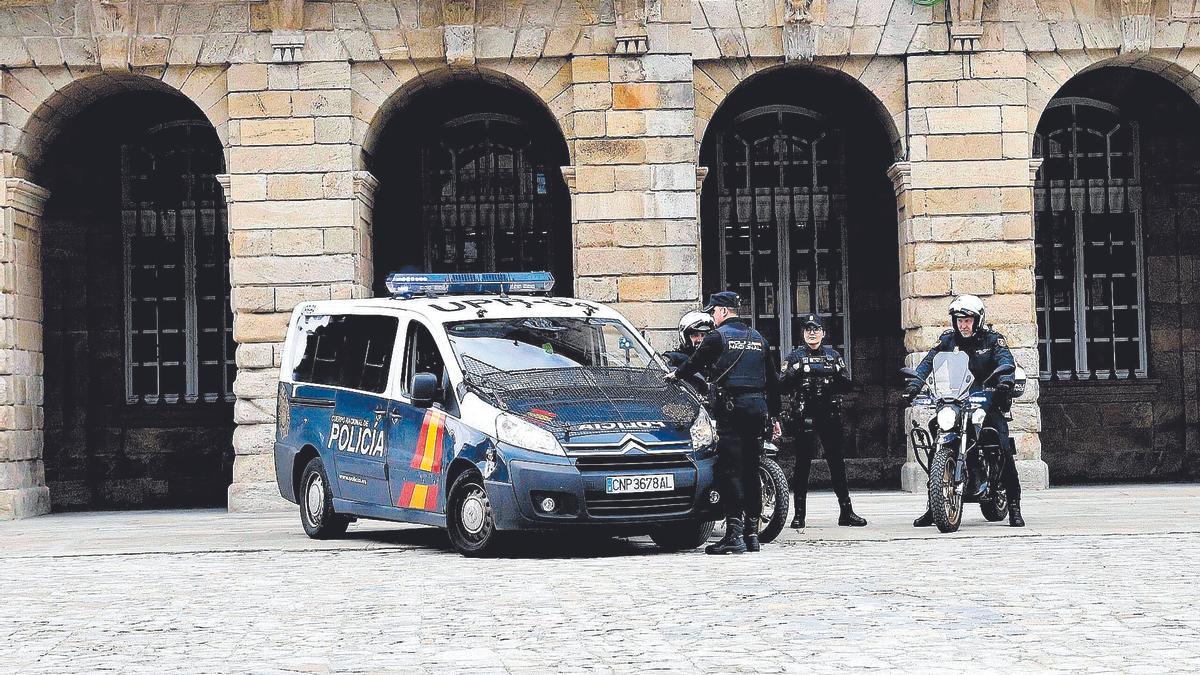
x=546, y=343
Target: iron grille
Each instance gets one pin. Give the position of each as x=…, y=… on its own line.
x=1088, y=222
x=782, y=211
x=178, y=323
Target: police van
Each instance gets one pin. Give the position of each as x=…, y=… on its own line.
x=481, y=404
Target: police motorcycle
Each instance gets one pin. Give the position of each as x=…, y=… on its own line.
x=957, y=436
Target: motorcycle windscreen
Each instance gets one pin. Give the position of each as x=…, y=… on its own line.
x=951, y=377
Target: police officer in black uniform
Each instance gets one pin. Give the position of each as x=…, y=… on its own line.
x=988, y=350
x=816, y=375
x=744, y=395
x=693, y=326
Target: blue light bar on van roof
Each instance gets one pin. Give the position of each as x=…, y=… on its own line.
x=402, y=285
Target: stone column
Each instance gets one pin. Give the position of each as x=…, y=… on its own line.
x=299, y=231
x=635, y=177
x=23, y=490
x=969, y=229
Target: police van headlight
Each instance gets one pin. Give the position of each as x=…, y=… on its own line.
x=947, y=418
x=517, y=432
x=703, y=433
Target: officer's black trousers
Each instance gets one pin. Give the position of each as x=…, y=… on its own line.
x=739, y=448
x=827, y=427
x=1009, y=477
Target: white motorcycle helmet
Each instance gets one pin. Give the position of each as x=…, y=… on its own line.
x=694, y=320
x=967, y=305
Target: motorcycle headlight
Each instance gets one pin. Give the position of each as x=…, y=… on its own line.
x=703, y=433
x=947, y=418
x=517, y=432
x=978, y=415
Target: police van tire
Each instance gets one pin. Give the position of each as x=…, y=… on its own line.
x=316, y=504
x=771, y=524
x=683, y=536
x=470, y=521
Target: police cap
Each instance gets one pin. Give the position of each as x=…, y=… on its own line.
x=723, y=299
x=811, y=320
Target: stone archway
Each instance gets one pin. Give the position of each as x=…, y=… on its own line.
x=799, y=216
x=125, y=345
x=1117, y=207
x=469, y=176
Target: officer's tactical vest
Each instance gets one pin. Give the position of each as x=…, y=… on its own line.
x=743, y=363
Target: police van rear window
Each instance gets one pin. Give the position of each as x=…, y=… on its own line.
x=351, y=351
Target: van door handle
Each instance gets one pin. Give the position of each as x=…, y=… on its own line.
x=395, y=416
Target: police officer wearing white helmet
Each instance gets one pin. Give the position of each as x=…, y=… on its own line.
x=693, y=326
x=987, y=350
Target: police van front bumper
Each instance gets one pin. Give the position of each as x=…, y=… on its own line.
x=578, y=491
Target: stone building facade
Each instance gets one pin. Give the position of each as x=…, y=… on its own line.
x=177, y=176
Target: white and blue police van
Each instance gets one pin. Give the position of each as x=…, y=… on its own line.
x=481, y=404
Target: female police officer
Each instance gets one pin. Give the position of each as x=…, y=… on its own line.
x=816, y=376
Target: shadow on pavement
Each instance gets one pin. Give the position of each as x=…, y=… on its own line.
x=517, y=545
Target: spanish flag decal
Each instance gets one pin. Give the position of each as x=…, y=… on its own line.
x=418, y=496
x=428, y=453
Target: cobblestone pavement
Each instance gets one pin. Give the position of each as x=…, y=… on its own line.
x=1104, y=579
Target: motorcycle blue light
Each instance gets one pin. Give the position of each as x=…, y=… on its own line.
x=402, y=285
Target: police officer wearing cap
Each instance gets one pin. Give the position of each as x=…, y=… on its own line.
x=744, y=395
x=816, y=376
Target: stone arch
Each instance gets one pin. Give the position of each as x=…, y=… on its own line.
x=1049, y=72
x=383, y=89
x=47, y=98
x=430, y=119
x=797, y=213
x=868, y=76
x=1116, y=249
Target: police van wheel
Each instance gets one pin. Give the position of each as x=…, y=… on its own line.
x=682, y=536
x=316, y=504
x=470, y=522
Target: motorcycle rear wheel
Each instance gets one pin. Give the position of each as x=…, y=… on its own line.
x=775, y=499
x=945, y=503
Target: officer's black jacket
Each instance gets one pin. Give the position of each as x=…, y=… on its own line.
x=752, y=374
x=824, y=362
x=987, y=349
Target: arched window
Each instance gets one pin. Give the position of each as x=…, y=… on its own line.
x=1088, y=222
x=178, y=325
x=782, y=217
x=486, y=198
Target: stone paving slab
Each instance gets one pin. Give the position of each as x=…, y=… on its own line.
x=1104, y=580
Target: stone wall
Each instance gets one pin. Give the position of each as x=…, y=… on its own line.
x=299, y=92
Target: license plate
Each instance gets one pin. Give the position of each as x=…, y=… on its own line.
x=663, y=482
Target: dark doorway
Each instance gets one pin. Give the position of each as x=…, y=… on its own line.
x=139, y=351
x=800, y=217
x=470, y=181
x=1117, y=205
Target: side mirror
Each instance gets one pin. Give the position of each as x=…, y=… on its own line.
x=909, y=372
x=424, y=389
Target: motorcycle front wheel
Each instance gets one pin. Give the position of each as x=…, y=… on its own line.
x=945, y=503
x=775, y=499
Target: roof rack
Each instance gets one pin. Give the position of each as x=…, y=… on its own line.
x=402, y=285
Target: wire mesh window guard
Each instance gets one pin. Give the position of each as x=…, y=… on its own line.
x=179, y=343
x=782, y=211
x=486, y=205
x=1088, y=222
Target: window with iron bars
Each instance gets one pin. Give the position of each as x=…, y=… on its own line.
x=1088, y=222
x=179, y=343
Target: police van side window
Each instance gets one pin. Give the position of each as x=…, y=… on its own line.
x=421, y=355
x=352, y=351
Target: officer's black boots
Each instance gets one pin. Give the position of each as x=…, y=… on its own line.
x=750, y=535
x=798, y=519
x=732, y=541
x=849, y=517
x=1014, y=515
x=925, y=520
